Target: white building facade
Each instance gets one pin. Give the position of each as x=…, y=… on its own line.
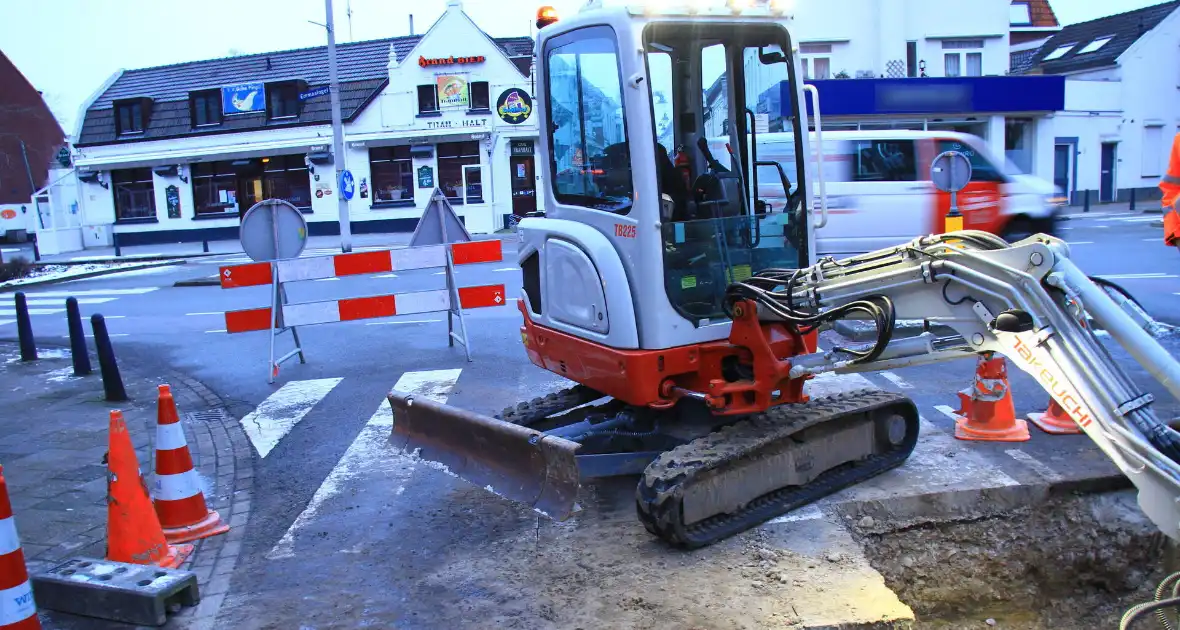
x=1122, y=103
x=179, y=153
x=925, y=65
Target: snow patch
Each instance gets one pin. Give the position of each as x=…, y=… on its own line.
x=64, y=272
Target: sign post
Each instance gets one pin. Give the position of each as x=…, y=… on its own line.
x=951, y=172
x=275, y=230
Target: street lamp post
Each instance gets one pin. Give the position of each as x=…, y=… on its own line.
x=337, y=133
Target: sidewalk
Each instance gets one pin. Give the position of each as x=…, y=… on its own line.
x=1141, y=207
x=53, y=436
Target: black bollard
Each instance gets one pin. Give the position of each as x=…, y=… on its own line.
x=77, y=338
x=1086, y=202
x=1132, y=200
x=115, y=241
x=112, y=382
x=205, y=246
x=24, y=328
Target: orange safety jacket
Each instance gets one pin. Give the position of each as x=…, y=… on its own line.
x=1170, y=185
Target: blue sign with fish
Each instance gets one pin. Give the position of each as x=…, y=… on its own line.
x=243, y=99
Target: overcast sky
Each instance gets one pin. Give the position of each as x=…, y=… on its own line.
x=68, y=48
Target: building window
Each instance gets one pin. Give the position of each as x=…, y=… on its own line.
x=215, y=188
x=427, y=99
x=816, y=67
x=479, y=96
x=590, y=164
x=954, y=63
x=282, y=100
x=452, y=157
x=1095, y=45
x=1019, y=14
x=1153, y=150
x=884, y=161
x=285, y=177
x=911, y=59
x=206, y=108
x=129, y=117
x=1059, y=52
x=392, y=170
x=135, y=195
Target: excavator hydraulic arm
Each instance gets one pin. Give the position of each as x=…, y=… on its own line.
x=1026, y=301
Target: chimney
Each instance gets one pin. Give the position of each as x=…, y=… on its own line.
x=411, y=24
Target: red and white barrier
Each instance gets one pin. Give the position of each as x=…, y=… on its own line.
x=282, y=315
x=17, y=610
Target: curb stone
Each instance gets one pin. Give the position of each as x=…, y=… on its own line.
x=83, y=276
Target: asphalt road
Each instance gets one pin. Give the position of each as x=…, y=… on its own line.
x=333, y=508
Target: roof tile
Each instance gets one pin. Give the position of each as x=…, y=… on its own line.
x=1124, y=28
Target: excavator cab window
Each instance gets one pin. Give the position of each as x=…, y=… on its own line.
x=714, y=88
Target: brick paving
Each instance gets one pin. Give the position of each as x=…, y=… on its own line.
x=53, y=435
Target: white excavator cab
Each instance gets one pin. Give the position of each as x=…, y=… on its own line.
x=643, y=227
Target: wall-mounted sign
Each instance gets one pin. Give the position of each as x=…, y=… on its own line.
x=452, y=90
x=425, y=177
x=243, y=99
x=172, y=196
x=63, y=156
x=314, y=92
x=520, y=147
x=8, y=214
x=347, y=184
x=514, y=106
x=449, y=61
x=452, y=124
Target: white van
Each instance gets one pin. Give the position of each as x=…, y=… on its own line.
x=880, y=194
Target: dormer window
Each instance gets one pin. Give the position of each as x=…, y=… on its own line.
x=1095, y=45
x=1019, y=14
x=282, y=100
x=131, y=116
x=206, y=108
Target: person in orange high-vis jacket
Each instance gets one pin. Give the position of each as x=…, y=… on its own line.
x=1170, y=185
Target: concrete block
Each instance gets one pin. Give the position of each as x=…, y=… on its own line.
x=117, y=591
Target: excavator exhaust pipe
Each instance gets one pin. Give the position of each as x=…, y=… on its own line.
x=509, y=460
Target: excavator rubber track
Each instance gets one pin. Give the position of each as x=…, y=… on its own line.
x=526, y=414
x=738, y=458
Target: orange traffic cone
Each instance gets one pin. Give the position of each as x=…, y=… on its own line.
x=180, y=503
x=1055, y=420
x=17, y=610
x=133, y=531
x=985, y=409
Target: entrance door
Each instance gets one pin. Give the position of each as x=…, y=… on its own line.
x=1061, y=168
x=524, y=186
x=1106, y=190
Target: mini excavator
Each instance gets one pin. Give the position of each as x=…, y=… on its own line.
x=682, y=297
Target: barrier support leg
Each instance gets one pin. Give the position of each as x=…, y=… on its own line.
x=456, y=308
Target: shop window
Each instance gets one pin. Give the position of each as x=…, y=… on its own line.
x=129, y=117
x=285, y=177
x=884, y=161
x=135, y=195
x=427, y=100
x=215, y=189
x=590, y=160
x=282, y=99
x=479, y=97
x=392, y=170
x=206, y=108
x=452, y=158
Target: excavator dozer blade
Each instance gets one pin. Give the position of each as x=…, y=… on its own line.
x=512, y=461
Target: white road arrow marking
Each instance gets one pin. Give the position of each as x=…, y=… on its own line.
x=370, y=453
x=282, y=410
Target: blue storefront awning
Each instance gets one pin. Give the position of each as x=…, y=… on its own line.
x=952, y=95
